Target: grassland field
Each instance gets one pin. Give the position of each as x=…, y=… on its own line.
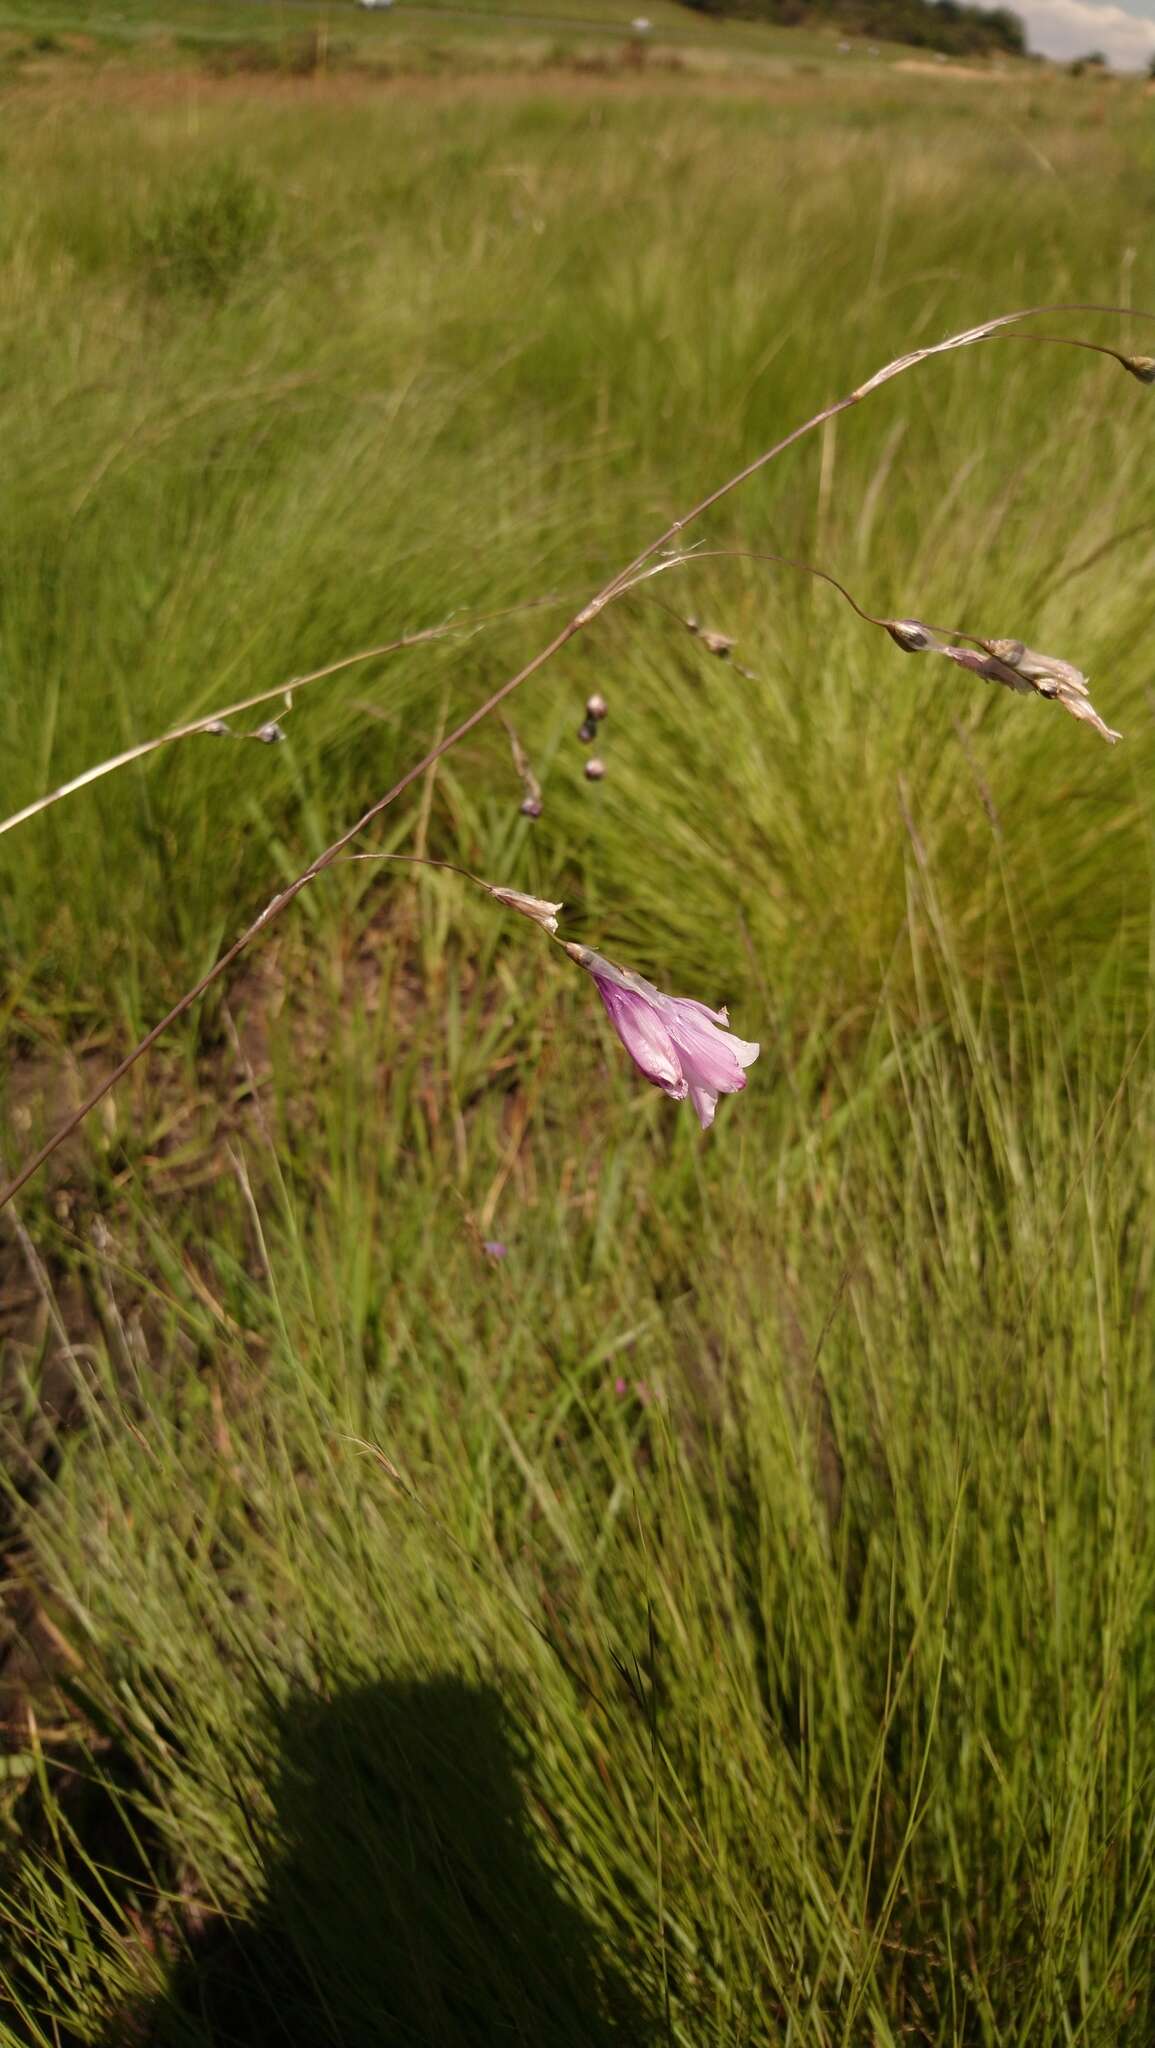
x=725, y=1616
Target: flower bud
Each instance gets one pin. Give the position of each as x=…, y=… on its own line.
x=910, y=635
x=596, y=707
x=595, y=769
x=587, y=731
x=1142, y=367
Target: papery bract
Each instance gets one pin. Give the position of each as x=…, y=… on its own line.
x=542, y=913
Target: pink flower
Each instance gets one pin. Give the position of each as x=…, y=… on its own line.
x=679, y=1045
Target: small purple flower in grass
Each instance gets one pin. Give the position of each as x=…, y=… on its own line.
x=678, y=1044
x=493, y=1248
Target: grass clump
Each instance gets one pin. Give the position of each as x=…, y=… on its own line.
x=203, y=239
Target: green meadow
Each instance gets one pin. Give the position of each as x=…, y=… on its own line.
x=724, y=1615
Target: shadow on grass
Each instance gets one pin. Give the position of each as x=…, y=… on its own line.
x=408, y=1902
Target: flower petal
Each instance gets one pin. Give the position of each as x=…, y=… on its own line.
x=721, y=1017
x=705, y=1102
x=712, y=1060
x=713, y=1054
x=705, y=1098
x=644, y=1036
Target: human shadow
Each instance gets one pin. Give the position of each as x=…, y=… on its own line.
x=407, y=1901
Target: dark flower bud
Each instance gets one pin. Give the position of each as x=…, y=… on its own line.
x=910, y=635
x=587, y=731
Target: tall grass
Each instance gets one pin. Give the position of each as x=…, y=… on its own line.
x=738, y=1626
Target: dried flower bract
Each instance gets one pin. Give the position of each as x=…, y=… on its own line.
x=542, y=913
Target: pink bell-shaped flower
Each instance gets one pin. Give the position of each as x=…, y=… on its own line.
x=677, y=1043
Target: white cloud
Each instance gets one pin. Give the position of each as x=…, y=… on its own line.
x=1070, y=28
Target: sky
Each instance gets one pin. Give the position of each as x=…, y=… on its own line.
x=1072, y=28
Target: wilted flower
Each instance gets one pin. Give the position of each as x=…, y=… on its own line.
x=1012, y=663
x=1021, y=668
x=987, y=665
x=721, y=644
x=542, y=913
x=1142, y=367
x=678, y=1044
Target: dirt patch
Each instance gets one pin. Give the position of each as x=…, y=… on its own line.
x=922, y=69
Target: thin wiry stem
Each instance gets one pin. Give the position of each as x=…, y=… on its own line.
x=693, y=555
x=1136, y=366
x=786, y=562
x=968, y=337
x=213, y=720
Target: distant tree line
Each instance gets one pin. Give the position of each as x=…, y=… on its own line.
x=952, y=26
